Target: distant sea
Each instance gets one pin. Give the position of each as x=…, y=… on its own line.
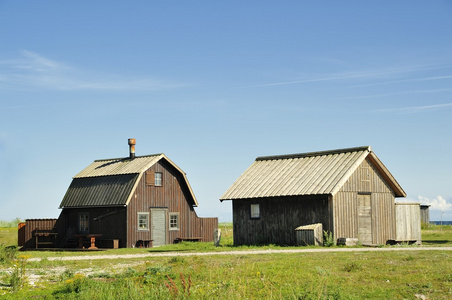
x=439, y=222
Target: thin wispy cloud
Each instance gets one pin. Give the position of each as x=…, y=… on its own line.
x=428, y=91
x=416, y=109
x=32, y=71
x=433, y=78
x=384, y=73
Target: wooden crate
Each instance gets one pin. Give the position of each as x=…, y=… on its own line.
x=309, y=235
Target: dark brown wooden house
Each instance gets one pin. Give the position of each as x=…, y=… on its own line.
x=349, y=191
x=130, y=202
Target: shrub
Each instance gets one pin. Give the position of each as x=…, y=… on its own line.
x=10, y=224
x=7, y=254
x=328, y=239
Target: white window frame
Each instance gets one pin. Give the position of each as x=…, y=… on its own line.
x=255, y=212
x=171, y=225
x=145, y=219
x=158, y=179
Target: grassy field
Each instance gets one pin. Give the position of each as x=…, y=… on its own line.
x=337, y=275
x=8, y=236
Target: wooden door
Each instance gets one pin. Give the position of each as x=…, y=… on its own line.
x=364, y=220
x=159, y=226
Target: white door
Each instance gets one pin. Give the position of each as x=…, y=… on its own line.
x=158, y=225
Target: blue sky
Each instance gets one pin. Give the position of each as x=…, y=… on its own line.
x=215, y=84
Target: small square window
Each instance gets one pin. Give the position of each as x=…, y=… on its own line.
x=255, y=211
x=143, y=221
x=158, y=179
x=174, y=221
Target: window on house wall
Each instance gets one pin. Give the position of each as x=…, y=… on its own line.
x=83, y=222
x=174, y=221
x=255, y=211
x=158, y=179
x=143, y=221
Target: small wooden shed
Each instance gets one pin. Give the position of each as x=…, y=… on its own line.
x=37, y=233
x=408, y=222
x=425, y=213
x=349, y=191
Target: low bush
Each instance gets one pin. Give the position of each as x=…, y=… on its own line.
x=7, y=254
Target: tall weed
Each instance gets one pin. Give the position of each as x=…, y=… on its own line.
x=328, y=239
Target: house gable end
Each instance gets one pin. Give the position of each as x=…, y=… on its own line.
x=366, y=178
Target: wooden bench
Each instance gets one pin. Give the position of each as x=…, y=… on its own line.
x=187, y=239
x=45, y=236
x=144, y=243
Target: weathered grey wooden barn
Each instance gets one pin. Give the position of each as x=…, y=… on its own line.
x=349, y=191
x=128, y=202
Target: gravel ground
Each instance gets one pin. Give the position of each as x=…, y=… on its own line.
x=244, y=252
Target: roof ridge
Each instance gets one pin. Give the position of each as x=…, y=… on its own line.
x=128, y=158
x=312, y=154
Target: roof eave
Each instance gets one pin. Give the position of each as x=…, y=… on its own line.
x=184, y=175
x=398, y=190
x=93, y=206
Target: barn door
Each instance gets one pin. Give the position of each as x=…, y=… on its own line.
x=364, y=220
x=158, y=226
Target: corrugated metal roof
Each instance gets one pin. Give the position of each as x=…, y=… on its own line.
x=99, y=191
x=119, y=166
x=311, y=173
x=110, y=190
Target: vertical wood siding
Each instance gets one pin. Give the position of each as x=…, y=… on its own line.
x=367, y=180
x=21, y=234
x=30, y=228
x=408, y=220
x=109, y=221
x=174, y=196
x=279, y=217
x=425, y=214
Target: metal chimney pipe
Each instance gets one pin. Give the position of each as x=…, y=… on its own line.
x=132, y=148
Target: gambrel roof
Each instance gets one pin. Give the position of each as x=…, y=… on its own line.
x=111, y=182
x=314, y=173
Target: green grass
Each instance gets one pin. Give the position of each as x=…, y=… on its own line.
x=432, y=235
x=337, y=275
x=8, y=236
x=376, y=275
x=436, y=235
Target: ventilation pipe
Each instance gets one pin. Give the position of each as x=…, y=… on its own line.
x=132, y=148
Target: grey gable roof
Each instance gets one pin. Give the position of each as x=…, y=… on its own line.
x=110, y=182
x=119, y=166
x=314, y=173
